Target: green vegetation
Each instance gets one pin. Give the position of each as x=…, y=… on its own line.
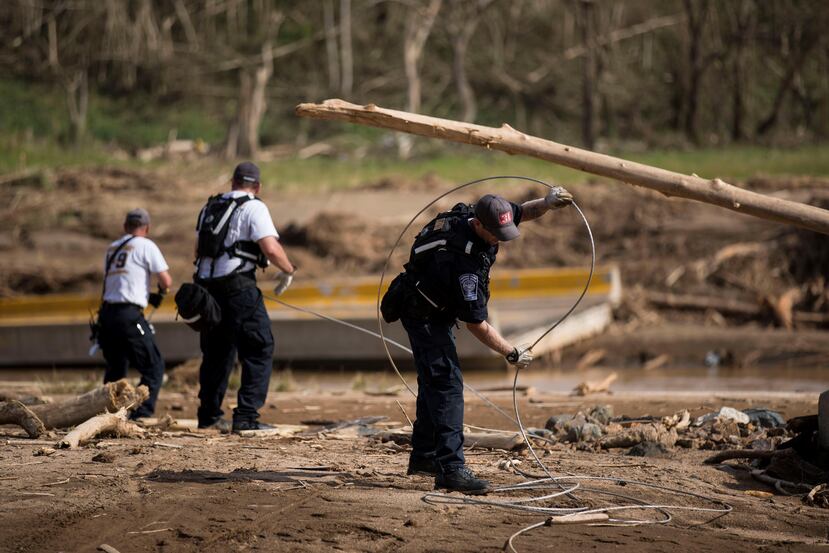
x=463, y=164
x=33, y=126
x=457, y=165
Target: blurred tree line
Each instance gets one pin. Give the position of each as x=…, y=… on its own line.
x=649, y=72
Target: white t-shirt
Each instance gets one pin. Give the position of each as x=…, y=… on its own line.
x=250, y=221
x=128, y=280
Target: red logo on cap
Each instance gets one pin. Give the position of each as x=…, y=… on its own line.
x=505, y=218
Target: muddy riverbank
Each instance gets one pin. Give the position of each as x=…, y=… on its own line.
x=205, y=491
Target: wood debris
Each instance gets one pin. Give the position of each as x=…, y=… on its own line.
x=64, y=414
x=108, y=423
x=595, y=387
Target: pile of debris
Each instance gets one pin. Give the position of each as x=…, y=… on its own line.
x=598, y=428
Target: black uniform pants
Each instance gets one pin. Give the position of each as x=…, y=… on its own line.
x=244, y=329
x=438, y=428
x=126, y=340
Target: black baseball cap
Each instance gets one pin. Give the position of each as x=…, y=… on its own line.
x=246, y=172
x=495, y=214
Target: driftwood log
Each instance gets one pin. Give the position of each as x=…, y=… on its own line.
x=63, y=414
x=781, y=309
x=19, y=414
x=711, y=191
x=108, y=423
x=723, y=456
x=479, y=440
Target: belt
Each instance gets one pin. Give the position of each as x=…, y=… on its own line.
x=121, y=304
x=230, y=283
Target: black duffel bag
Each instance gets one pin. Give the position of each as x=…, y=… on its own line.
x=197, y=307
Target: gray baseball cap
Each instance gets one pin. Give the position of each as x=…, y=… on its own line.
x=138, y=217
x=495, y=214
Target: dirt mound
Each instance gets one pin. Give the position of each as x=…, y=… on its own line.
x=54, y=228
x=351, y=243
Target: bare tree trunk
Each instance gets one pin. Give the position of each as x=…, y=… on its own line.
x=741, y=18
x=346, y=51
x=189, y=31
x=587, y=30
x=507, y=139
x=463, y=20
x=331, y=51
x=231, y=145
x=469, y=108
x=786, y=83
x=696, y=65
x=416, y=33
x=77, y=101
x=52, y=29
x=253, y=103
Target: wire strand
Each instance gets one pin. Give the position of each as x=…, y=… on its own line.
x=566, y=486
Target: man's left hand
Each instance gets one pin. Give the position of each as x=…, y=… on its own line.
x=283, y=281
x=520, y=357
x=558, y=197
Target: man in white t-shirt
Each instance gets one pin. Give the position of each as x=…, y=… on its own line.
x=125, y=336
x=235, y=235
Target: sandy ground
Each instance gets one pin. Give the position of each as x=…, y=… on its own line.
x=226, y=493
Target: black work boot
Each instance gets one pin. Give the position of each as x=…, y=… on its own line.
x=222, y=425
x=461, y=480
x=424, y=466
x=238, y=426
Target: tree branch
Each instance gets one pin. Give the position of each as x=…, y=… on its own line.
x=507, y=139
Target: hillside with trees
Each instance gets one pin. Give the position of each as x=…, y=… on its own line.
x=632, y=74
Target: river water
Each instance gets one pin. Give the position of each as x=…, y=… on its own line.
x=673, y=380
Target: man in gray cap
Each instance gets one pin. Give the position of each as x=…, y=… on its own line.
x=125, y=336
x=445, y=280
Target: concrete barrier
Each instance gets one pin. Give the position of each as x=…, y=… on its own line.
x=53, y=330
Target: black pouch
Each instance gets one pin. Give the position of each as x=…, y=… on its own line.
x=197, y=307
x=394, y=300
x=404, y=298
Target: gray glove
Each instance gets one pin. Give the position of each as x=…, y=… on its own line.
x=520, y=357
x=558, y=197
x=283, y=281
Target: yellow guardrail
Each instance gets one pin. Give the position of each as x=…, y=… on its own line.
x=504, y=284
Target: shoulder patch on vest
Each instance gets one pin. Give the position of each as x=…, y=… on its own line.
x=469, y=286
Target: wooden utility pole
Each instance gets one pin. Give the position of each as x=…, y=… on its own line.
x=507, y=139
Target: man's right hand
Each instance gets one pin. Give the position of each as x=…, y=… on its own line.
x=283, y=281
x=520, y=357
x=155, y=298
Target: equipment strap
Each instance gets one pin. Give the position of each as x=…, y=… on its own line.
x=243, y=249
x=110, y=259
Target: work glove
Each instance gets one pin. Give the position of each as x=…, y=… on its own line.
x=520, y=357
x=283, y=281
x=156, y=298
x=558, y=197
